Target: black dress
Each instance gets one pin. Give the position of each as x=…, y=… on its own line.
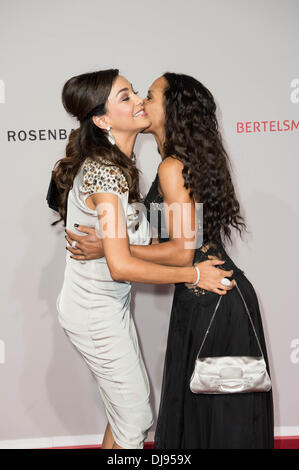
x=201, y=421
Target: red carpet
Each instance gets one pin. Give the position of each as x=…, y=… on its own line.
x=285, y=442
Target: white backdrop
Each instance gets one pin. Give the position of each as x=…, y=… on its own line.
x=246, y=53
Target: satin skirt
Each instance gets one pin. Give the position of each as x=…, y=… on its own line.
x=94, y=312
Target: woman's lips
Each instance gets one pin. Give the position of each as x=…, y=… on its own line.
x=140, y=113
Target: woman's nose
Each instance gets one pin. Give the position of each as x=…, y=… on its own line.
x=139, y=100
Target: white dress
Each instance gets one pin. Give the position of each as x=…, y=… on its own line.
x=94, y=311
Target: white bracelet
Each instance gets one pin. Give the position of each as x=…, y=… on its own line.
x=198, y=276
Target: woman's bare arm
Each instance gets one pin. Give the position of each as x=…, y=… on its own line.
x=122, y=265
x=180, y=220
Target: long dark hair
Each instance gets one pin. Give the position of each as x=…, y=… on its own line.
x=84, y=96
x=192, y=135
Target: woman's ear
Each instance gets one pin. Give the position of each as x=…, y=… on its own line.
x=100, y=121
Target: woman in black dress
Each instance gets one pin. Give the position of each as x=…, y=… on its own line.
x=187, y=420
x=185, y=127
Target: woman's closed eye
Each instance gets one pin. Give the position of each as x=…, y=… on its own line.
x=127, y=97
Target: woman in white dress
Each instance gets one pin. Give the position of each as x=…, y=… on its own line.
x=97, y=182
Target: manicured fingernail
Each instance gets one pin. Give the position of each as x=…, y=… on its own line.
x=76, y=225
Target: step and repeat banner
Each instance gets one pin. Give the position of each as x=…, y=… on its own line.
x=246, y=52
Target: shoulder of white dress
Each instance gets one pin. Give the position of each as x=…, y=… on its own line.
x=101, y=175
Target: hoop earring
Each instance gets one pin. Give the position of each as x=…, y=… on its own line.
x=110, y=136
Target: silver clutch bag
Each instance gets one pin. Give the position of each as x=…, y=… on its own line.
x=230, y=374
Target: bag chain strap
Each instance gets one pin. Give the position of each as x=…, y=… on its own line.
x=214, y=316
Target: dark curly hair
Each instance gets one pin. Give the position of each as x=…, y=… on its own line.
x=84, y=96
x=192, y=135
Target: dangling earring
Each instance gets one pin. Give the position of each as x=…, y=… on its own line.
x=133, y=158
x=110, y=136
